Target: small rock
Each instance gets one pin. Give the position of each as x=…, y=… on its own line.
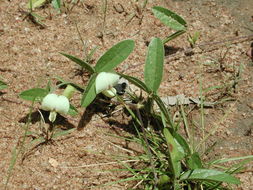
x=53, y=162
x=119, y=8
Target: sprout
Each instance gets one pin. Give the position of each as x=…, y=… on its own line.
x=105, y=82
x=55, y=104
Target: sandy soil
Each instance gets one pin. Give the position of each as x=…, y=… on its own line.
x=30, y=57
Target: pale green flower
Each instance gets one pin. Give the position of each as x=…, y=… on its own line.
x=105, y=82
x=55, y=104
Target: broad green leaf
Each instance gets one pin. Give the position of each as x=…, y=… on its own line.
x=173, y=36
x=3, y=85
x=136, y=82
x=83, y=64
x=35, y=3
x=153, y=72
x=57, y=5
x=194, y=161
x=114, y=56
x=90, y=92
x=209, y=175
x=72, y=110
x=182, y=142
x=34, y=94
x=175, y=154
x=169, y=18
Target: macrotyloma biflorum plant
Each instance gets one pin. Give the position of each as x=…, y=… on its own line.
x=171, y=162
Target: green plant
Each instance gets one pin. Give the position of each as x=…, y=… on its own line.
x=106, y=63
x=171, y=161
x=193, y=39
x=172, y=20
x=54, y=104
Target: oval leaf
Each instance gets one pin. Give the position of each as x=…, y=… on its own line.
x=34, y=94
x=114, y=56
x=153, y=72
x=169, y=18
x=209, y=175
x=80, y=62
x=90, y=92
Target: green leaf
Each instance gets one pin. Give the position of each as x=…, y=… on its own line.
x=194, y=161
x=153, y=72
x=3, y=85
x=209, y=175
x=35, y=3
x=57, y=5
x=173, y=36
x=175, y=152
x=180, y=139
x=114, y=56
x=137, y=82
x=83, y=64
x=169, y=18
x=34, y=94
x=223, y=160
x=72, y=110
x=90, y=92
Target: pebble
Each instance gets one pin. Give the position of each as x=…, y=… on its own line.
x=119, y=8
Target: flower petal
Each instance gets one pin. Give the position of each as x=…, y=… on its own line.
x=62, y=104
x=106, y=80
x=52, y=116
x=48, y=102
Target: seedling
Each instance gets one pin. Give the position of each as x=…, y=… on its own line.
x=193, y=39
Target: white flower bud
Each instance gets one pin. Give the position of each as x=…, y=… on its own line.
x=55, y=104
x=105, y=81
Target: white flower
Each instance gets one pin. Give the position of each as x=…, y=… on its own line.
x=55, y=104
x=105, y=82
